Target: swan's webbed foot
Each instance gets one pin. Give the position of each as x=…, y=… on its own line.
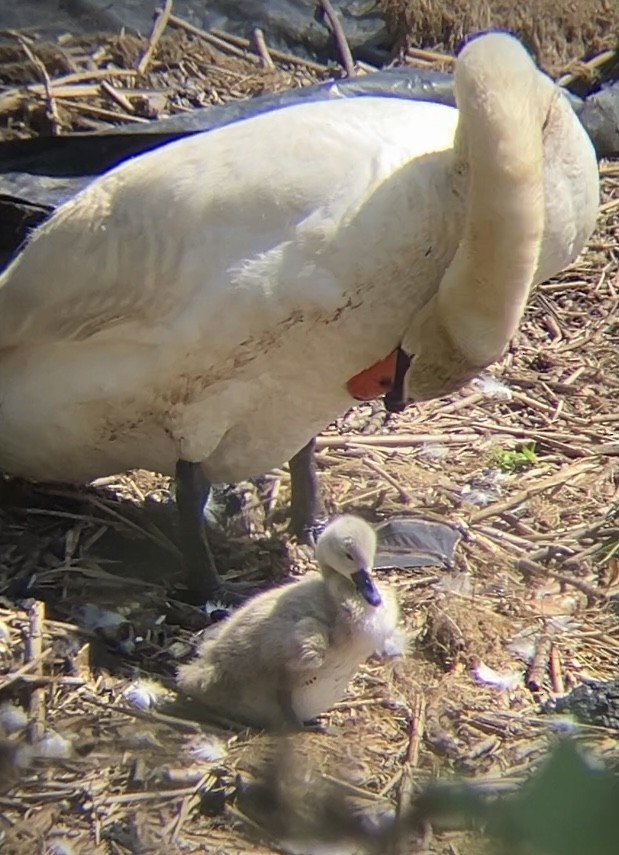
x=306, y=521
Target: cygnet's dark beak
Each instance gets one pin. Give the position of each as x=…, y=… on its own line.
x=366, y=587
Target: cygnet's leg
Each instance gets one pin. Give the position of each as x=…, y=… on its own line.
x=306, y=506
x=203, y=580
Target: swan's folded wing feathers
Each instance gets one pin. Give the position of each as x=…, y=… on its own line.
x=169, y=234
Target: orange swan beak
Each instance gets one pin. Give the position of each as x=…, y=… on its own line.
x=375, y=381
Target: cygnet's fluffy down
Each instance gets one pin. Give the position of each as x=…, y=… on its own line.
x=289, y=653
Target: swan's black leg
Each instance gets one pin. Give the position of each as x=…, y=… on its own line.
x=203, y=580
x=306, y=507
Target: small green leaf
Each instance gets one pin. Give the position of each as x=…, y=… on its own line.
x=515, y=460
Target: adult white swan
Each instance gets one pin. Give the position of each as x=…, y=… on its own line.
x=208, y=307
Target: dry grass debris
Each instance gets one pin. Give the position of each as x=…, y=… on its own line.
x=556, y=33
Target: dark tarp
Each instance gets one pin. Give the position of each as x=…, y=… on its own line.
x=291, y=24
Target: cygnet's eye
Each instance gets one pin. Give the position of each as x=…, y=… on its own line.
x=349, y=556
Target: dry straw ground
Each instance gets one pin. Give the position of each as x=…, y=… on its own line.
x=556, y=32
x=530, y=604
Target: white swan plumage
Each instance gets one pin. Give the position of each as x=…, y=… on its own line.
x=209, y=301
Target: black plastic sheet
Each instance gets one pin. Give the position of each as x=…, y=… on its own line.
x=291, y=24
x=66, y=163
x=600, y=116
x=404, y=542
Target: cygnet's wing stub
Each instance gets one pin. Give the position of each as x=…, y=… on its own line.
x=306, y=646
x=415, y=543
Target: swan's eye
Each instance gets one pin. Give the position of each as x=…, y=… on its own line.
x=349, y=556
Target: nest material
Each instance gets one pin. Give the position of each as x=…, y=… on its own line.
x=86, y=84
x=556, y=33
x=528, y=612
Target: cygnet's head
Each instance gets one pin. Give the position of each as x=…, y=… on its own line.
x=348, y=546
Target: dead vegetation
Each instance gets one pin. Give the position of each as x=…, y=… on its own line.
x=527, y=613
x=556, y=33
x=100, y=81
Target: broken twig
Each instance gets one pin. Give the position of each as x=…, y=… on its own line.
x=162, y=17
x=340, y=37
x=262, y=49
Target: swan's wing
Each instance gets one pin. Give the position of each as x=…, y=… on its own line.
x=168, y=239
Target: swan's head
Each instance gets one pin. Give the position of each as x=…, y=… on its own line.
x=348, y=546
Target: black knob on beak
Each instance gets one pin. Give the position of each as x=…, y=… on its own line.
x=394, y=399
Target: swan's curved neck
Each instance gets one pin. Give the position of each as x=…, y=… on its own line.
x=503, y=102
